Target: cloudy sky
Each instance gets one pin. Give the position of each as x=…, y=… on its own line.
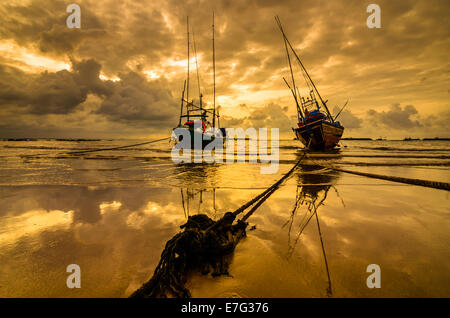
x=121, y=74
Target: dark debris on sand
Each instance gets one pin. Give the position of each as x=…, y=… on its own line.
x=204, y=245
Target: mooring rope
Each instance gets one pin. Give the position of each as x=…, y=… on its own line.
x=418, y=182
x=121, y=147
x=203, y=244
x=99, y=149
x=267, y=193
x=260, y=198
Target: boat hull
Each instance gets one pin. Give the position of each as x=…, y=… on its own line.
x=205, y=137
x=319, y=135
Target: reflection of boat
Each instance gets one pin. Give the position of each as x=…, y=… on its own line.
x=317, y=129
x=314, y=182
x=189, y=197
x=196, y=120
x=198, y=188
x=312, y=179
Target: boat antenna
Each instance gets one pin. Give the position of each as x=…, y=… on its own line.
x=196, y=64
x=182, y=101
x=214, y=75
x=303, y=67
x=218, y=118
x=307, y=82
x=341, y=110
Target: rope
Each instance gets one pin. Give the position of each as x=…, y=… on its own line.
x=204, y=243
x=99, y=149
x=121, y=147
x=418, y=182
x=267, y=193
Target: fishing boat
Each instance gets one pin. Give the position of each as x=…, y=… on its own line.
x=317, y=129
x=196, y=120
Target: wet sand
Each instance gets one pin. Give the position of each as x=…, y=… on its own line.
x=113, y=217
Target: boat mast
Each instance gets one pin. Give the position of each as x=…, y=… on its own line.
x=198, y=76
x=294, y=92
x=303, y=68
x=187, y=85
x=214, y=75
x=309, y=77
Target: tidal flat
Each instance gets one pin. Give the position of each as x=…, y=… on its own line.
x=113, y=212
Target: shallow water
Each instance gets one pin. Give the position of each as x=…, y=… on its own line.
x=112, y=213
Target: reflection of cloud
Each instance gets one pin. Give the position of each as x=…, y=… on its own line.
x=170, y=213
x=33, y=222
x=115, y=234
x=119, y=251
x=107, y=207
x=137, y=219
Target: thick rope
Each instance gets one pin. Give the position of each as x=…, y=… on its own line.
x=204, y=244
x=264, y=195
x=99, y=149
x=418, y=182
x=121, y=147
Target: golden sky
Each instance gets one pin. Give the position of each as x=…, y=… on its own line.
x=121, y=74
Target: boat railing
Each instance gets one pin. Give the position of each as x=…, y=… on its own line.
x=309, y=104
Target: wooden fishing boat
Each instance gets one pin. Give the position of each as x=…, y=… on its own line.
x=317, y=129
x=196, y=120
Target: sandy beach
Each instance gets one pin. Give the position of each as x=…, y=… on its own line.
x=112, y=213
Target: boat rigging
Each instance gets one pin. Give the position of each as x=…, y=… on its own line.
x=195, y=117
x=317, y=129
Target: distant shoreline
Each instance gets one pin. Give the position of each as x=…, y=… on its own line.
x=51, y=139
x=96, y=139
x=405, y=139
x=351, y=138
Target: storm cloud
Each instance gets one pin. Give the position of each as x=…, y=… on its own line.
x=397, y=117
x=127, y=63
x=131, y=98
x=135, y=99
x=346, y=116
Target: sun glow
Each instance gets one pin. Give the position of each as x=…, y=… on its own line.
x=183, y=63
x=106, y=78
x=151, y=75
x=29, y=61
